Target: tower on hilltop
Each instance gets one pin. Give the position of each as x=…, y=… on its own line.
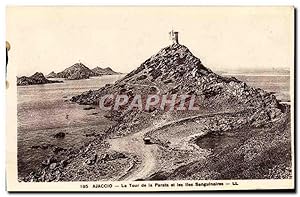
x=174, y=36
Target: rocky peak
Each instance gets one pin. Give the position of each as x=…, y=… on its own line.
x=76, y=71
x=78, y=66
x=172, y=50
x=173, y=62
x=51, y=75
x=104, y=71
x=38, y=76
x=108, y=69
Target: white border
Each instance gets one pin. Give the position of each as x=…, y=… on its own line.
x=4, y=3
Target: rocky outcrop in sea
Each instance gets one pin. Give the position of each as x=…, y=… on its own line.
x=76, y=71
x=80, y=71
x=35, y=79
x=104, y=71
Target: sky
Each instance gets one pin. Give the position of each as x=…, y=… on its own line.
x=49, y=39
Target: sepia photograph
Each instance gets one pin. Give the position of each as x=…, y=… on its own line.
x=149, y=98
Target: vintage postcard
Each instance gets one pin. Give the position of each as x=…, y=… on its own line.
x=150, y=98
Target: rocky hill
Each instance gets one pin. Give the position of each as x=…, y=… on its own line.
x=104, y=71
x=52, y=75
x=37, y=78
x=80, y=71
x=76, y=71
x=175, y=70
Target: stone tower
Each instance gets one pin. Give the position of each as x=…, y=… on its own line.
x=174, y=36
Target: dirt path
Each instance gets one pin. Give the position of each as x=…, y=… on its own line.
x=134, y=144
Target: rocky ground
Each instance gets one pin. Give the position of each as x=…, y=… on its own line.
x=91, y=160
x=235, y=149
x=232, y=108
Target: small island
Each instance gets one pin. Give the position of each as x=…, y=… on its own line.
x=104, y=71
x=35, y=79
x=80, y=71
